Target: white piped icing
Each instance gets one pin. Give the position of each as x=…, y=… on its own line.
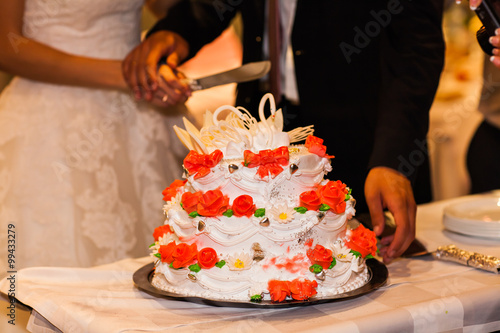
x=271, y=245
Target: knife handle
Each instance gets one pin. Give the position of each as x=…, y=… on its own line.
x=192, y=83
x=472, y=259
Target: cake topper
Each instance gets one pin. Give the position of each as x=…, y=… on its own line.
x=239, y=131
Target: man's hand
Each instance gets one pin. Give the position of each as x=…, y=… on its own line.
x=140, y=67
x=387, y=188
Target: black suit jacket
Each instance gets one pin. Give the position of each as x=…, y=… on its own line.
x=367, y=72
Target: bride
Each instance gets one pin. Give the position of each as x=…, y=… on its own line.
x=82, y=164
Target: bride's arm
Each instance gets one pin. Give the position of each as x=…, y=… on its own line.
x=33, y=60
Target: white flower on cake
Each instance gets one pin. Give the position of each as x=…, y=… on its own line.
x=282, y=213
x=174, y=203
x=257, y=289
x=167, y=238
x=239, y=262
x=341, y=252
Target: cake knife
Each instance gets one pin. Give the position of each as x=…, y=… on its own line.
x=444, y=253
x=459, y=256
x=247, y=72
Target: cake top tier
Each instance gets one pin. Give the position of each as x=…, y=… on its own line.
x=239, y=131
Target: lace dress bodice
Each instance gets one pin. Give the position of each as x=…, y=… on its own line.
x=106, y=29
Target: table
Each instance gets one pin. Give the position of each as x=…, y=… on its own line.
x=422, y=295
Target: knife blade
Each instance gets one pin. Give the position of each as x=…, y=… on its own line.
x=248, y=72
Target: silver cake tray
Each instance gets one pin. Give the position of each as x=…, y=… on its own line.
x=377, y=277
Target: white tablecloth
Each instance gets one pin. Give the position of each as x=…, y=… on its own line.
x=422, y=295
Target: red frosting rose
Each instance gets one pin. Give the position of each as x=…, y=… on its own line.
x=160, y=231
x=166, y=252
x=184, y=255
x=171, y=191
x=207, y=258
x=278, y=290
x=362, y=240
x=190, y=201
x=315, y=146
x=269, y=161
x=243, y=206
x=310, y=200
x=201, y=163
x=333, y=194
x=320, y=256
x=303, y=289
x=212, y=203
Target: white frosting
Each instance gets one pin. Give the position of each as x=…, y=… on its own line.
x=257, y=249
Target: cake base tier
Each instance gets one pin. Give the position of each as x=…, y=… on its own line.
x=377, y=277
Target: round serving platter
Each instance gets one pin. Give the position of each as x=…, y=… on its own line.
x=377, y=277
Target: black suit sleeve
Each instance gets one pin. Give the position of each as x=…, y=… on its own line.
x=412, y=59
x=198, y=21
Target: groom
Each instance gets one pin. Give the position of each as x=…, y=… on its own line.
x=365, y=75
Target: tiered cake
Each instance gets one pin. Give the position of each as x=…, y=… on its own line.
x=255, y=219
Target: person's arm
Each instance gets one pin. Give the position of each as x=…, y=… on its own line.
x=413, y=57
x=28, y=58
x=188, y=26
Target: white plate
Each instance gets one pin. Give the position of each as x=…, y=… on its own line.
x=479, y=217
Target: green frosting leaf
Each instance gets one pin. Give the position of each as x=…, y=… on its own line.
x=194, y=214
x=324, y=207
x=228, y=213
x=256, y=298
x=356, y=253
x=182, y=206
x=259, y=212
x=157, y=255
x=369, y=256
x=315, y=268
x=195, y=268
x=150, y=246
x=220, y=264
x=348, y=195
x=301, y=210
x=334, y=262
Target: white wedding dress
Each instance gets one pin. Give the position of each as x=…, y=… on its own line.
x=81, y=170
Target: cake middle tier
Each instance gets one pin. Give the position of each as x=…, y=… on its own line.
x=304, y=172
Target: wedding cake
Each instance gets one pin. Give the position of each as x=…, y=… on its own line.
x=255, y=219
